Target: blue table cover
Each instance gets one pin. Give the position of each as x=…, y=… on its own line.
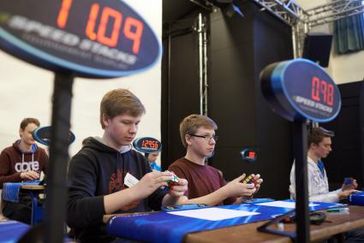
x=165, y=227
x=11, y=190
x=12, y=231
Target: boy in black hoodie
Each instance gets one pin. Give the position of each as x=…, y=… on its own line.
x=102, y=175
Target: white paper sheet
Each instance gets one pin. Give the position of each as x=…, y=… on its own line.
x=283, y=204
x=213, y=214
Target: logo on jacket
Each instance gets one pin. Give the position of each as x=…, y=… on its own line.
x=116, y=182
x=27, y=166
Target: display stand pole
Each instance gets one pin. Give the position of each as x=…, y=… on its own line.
x=300, y=154
x=55, y=213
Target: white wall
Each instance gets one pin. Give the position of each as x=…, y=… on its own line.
x=347, y=68
x=26, y=91
x=342, y=68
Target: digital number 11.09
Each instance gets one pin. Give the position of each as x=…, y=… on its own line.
x=132, y=30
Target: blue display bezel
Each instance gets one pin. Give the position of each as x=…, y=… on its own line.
x=281, y=95
x=43, y=57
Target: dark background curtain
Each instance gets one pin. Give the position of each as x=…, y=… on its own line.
x=349, y=34
x=238, y=49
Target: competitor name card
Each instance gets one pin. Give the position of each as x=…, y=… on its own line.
x=283, y=204
x=213, y=214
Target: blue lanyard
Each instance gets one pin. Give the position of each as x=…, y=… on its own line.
x=321, y=166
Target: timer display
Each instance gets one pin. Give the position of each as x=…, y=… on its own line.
x=147, y=145
x=106, y=19
x=300, y=89
x=322, y=91
x=92, y=38
x=249, y=154
x=153, y=144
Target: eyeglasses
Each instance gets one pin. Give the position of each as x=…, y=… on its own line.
x=206, y=137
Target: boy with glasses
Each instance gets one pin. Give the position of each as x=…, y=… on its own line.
x=205, y=183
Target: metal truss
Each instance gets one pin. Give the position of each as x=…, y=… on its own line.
x=290, y=13
x=303, y=20
x=286, y=10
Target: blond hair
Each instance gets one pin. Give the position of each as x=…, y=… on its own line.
x=191, y=123
x=119, y=102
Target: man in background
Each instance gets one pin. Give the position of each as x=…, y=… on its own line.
x=319, y=147
x=23, y=161
x=152, y=159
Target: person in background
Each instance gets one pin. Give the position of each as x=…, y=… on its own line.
x=152, y=159
x=107, y=176
x=23, y=161
x=319, y=147
x=206, y=184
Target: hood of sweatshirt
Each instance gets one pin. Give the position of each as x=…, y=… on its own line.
x=16, y=146
x=96, y=143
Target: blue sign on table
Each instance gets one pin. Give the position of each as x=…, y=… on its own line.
x=357, y=198
x=98, y=38
x=12, y=231
x=170, y=228
x=300, y=89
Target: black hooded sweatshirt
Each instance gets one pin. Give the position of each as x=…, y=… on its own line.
x=98, y=170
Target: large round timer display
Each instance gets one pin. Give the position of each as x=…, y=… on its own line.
x=99, y=38
x=300, y=89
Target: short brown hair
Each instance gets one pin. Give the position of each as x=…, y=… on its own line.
x=317, y=134
x=24, y=123
x=191, y=123
x=119, y=102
